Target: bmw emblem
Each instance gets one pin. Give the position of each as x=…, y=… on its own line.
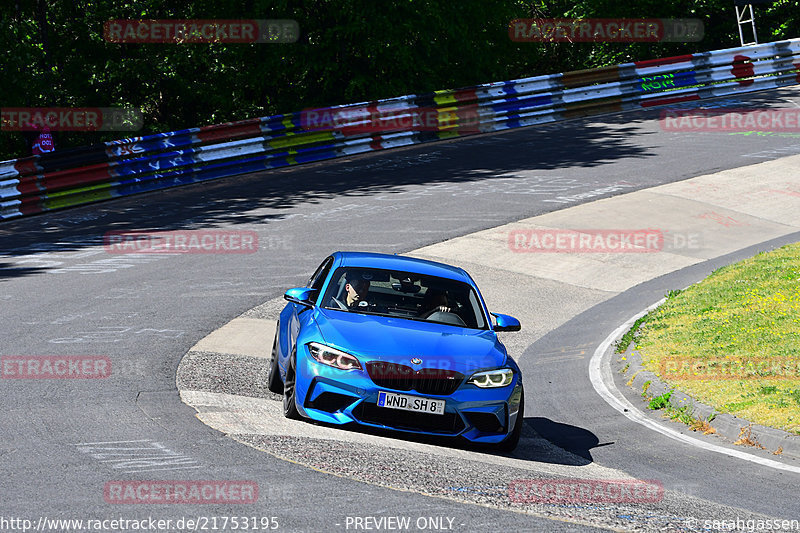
x=416, y=361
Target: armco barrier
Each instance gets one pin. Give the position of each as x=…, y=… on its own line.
x=129, y=166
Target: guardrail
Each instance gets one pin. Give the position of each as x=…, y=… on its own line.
x=135, y=165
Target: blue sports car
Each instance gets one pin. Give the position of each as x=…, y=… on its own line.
x=397, y=343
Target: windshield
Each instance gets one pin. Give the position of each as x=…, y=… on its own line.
x=404, y=295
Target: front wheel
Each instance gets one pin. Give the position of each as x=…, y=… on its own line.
x=289, y=405
x=510, y=443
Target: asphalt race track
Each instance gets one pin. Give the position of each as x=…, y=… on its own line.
x=62, y=293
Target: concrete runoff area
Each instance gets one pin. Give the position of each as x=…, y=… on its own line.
x=240, y=336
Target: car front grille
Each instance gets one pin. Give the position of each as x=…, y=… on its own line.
x=446, y=424
x=435, y=381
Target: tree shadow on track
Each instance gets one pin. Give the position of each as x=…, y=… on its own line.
x=9, y=270
x=264, y=197
x=463, y=167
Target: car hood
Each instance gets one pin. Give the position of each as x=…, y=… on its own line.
x=397, y=340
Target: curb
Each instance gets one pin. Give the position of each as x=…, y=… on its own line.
x=727, y=426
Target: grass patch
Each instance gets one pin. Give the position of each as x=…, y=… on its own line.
x=681, y=414
x=749, y=311
x=626, y=340
x=632, y=334
x=659, y=402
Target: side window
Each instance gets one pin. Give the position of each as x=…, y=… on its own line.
x=319, y=276
x=477, y=309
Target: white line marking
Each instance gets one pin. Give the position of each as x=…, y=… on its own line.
x=603, y=383
x=153, y=469
x=113, y=442
x=135, y=457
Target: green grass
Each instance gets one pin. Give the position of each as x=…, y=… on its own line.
x=632, y=334
x=681, y=414
x=660, y=402
x=626, y=340
x=746, y=311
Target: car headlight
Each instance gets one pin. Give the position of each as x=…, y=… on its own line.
x=333, y=357
x=492, y=378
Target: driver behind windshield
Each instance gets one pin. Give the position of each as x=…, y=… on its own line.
x=356, y=290
x=435, y=300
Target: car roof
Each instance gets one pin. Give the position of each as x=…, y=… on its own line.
x=401, y=262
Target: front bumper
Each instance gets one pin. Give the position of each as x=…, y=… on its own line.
x=341, y=397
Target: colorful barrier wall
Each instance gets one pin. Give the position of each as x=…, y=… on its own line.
x=114, y=169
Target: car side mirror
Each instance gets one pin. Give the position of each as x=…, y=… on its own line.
x=506, y=323
x=300, y=295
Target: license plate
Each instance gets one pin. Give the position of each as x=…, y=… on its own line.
x=404, y=402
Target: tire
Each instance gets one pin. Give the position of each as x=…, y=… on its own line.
x=289, y=405
x=510, y=443
x=274, y=381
